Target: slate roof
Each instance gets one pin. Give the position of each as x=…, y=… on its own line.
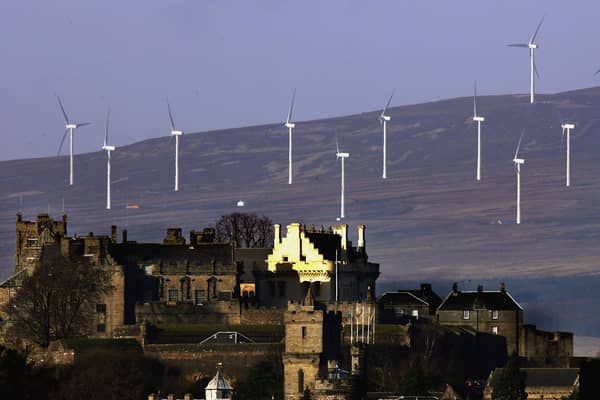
x=325, y=243
x=545, y=377
x=199, y=254
x=500, y=300
x=401, y=298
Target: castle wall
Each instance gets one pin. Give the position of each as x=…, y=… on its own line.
x=545, y=348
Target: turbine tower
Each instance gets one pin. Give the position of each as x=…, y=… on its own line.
x=290, y=125
x=106, y=147
x=175, y=133
x=567, y=127
x=533, y=69
x=479, y=119
x=518, y=162
x=383, y=119
x=342, y=156
x=69, y=128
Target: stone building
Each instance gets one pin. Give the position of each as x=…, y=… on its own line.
x=542, y=383
x=323, y=260
x=405, y=305
x=545, y=348
x=495, y=312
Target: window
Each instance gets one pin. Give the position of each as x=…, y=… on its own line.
x=173, y=294
x=285, y=258
x=415, y=314
x=224, y=296
x=199, y=297
x=101, y=308
x=32, y=241
x=281, y=289
x=101, y=328
x=466, y=314
x=300, y=381
x=303, y=332
x=495, y=314
x=495, y=330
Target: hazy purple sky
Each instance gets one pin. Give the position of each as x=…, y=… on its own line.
x=234, y=63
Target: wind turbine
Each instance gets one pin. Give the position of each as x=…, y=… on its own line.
x=69, y=128
x=342, y=156
x=290, y=125
x=175, y=133
x=567, y=127
x=106, y=147
x=518, y=162
x=531, y=46
x=383, y=119
x=479, y=119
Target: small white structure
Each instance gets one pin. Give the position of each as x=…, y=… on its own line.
x=218, y=388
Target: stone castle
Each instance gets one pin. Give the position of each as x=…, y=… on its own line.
x=310, y=280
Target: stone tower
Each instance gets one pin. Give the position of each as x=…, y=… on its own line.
x=303, y=347
x=31, y=236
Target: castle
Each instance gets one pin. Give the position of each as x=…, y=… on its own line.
x=311, y=281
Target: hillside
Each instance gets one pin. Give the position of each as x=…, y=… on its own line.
x=428, y=219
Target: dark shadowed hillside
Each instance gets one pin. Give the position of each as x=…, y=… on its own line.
x=428, y=219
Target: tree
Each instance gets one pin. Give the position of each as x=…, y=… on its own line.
x=264, y=380
x=414, y=382
x=58, y=300
x=245, y=230
x=509, y=382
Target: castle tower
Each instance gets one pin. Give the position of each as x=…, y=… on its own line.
x=303, y=348
x=31, y=236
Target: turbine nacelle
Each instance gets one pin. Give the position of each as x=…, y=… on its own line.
x=290, y=125
x=176, y=133
x=71, y=126
x=518, y=161
x=568, y=126
x=342, y=155
x=478, y=119
x=108, y=148
x=385, y=118
x=532, y=46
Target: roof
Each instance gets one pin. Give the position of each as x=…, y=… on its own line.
x=325, y=243
x=199, y=254
x=498, y=300
x=14, y=280
x=253, y=257
x=401, y=298
x=219, y=383
x=546, y=377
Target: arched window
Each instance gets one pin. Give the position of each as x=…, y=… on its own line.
x=300, y=381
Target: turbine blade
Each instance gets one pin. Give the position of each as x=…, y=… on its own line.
x=597, y=72
x=475, y=99
x=107, y=123
x=562, y=137
x=535, y=69
x=289, y=117
x=62, y=109
x=62, y=141
x=517, y=45
x=337, y=145
x=83, y=124
x=388, y=103
x=536, y=30
x=519, y=144
x=170, y=115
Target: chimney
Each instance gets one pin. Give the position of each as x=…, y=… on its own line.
x=187, y=396
x=171, y=397
x=124, y=236
x=361, y=237
x=293, y=233
x=455, y=288
x=480, y=289
x=152, y=396
x=277, y=233
x=113, y=234
x=342, y=230
x=502, y=287
x=19, y=217
x=425, y=288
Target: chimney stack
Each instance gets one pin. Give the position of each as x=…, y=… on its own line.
x=455, y=288
x=361, y=238
x=480, y=289
x=277, y=233
x=124, y=236
x=113, y=234
x=502, y=287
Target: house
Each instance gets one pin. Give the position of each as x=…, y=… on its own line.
x=542, y=383
x=404, y=305
x=495, y=312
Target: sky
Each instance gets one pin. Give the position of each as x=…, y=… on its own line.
x=225, y=64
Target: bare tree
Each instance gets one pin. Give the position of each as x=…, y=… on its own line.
x=245, y=230
x=58, y=300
